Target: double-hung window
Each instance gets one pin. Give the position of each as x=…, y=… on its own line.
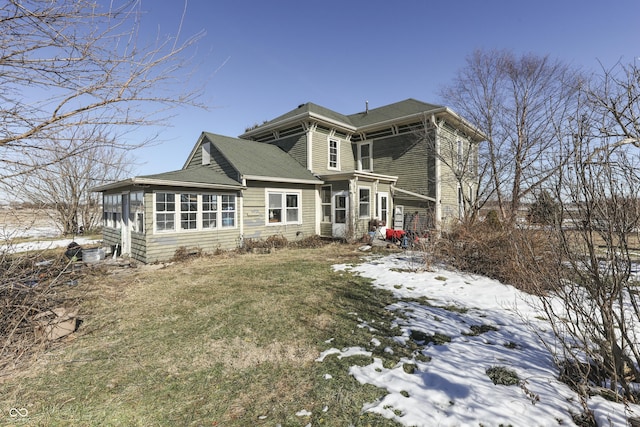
x=209, y=211
x=334, y=154
x=188, y=211
x=364, y=156
x=176, y=212
x=325, y=195
x=165, y=211
x=228, y=210
x=364, y=197
x=283, y=207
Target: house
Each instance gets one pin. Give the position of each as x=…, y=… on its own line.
x=310, y=171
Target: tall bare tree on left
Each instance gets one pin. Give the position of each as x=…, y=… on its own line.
x=71, y=68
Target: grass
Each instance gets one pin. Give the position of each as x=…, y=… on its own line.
x=229, y=340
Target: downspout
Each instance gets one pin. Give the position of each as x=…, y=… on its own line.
x=437, y=178
x=241, y=212
x=309, y=147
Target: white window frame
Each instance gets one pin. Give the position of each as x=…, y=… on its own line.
x=193, y=215
x=156, y=212
x=225, y=212
x=324, y=204
x=370, y=157
x=368, y=203
x=379, y=209
x=335, y=166
x=136, y=211
x=283, y=196
x=213, y=212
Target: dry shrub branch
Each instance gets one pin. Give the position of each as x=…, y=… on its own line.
x=29, y=291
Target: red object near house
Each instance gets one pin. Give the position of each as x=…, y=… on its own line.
x=395, y=234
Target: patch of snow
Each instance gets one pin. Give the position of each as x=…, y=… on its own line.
x=453, y=388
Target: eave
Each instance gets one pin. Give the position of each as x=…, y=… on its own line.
x=143, y=182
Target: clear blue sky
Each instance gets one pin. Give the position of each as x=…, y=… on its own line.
x=271, y=56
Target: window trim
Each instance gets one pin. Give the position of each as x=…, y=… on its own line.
x=136, y=211
x=360, y=203
x=337, y=154
x=370, y=157
x=284, y=194
x=379, y=210
x=221, y=215
x=324, y=204
x=112, y=210
x=175, y=212
x=197, y=212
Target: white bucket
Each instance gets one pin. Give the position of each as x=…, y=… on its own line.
x=92, y=255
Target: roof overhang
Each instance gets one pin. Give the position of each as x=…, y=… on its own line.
x=144, y=182
x=442, y=112
x=307, y=115
x=340, y=176
x=283, y=180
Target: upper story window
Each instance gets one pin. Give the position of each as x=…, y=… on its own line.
x=365, y=156
x=283, y=208
x=334, y=154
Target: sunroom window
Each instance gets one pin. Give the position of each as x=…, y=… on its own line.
x=188, y=211
x=165, y=211
x=191, y=211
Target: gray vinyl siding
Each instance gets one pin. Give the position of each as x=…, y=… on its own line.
x=111, y=236
x=219, y=163
x=162, y=246
x=255, y=211
x=295, y=146
x=320, y=154
x=409, y=158
x=138, y=246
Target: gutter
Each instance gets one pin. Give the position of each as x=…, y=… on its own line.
x=279, y=179
x=165, y=183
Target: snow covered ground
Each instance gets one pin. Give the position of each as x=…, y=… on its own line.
x=490, y=325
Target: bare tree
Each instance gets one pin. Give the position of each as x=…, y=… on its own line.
x=518, y=103
x=76, y=63
x=593, y=303
x=63, y=183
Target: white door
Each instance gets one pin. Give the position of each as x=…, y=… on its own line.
x=340, y=214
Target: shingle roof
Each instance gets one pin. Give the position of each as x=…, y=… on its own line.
x=308, y=109
x=258, y=159
x=198, y=174
x=383, y=114
x=393, y=111
x=196, y=177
